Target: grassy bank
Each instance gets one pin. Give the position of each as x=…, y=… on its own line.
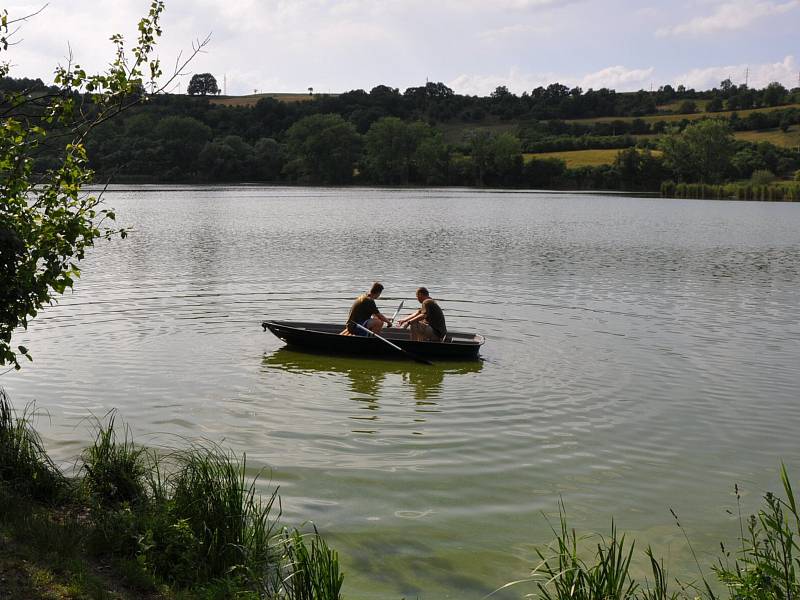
x=137, y=523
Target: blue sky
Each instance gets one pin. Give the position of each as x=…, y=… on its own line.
x=471, y=45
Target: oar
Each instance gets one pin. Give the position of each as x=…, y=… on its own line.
x=399, y=308
x=410, y=355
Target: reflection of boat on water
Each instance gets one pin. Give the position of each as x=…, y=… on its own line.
x=367, y=375
x=324, y=337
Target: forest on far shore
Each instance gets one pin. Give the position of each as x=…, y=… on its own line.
x=553, y=137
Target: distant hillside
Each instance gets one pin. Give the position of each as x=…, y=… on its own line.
x=552, y=136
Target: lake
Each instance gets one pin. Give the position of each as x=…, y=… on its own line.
x=641, y=354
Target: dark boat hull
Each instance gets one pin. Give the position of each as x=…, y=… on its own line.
x=326, y=338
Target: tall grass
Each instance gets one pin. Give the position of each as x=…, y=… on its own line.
x=115, y=467
x=223, y=512
x=765, y=566
x=192, y=518
x=24, y=463
x=767, y=563
x=563, y=573
x=311, y=568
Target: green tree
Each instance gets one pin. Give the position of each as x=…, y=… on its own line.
x=391, y=149
x=322, y=148
x=202, y=84
x=496, y=158
x=181, y=139
x=432, y=160
x=701, y=152
x=228, y=159
x=46, y=221
x=775, y=94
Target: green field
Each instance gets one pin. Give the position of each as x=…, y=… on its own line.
x=690, y=117
x=252, y=99
x=787, y=139
x=579, y=158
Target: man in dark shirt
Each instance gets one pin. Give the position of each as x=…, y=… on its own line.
x=427, y=324
x=365, y=312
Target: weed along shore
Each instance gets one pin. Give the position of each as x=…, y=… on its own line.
x=136, y=523
x=188, y=523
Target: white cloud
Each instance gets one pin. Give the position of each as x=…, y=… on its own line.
x=730, y=16
x=784, y=72
x=617, y=77
x=503, y=33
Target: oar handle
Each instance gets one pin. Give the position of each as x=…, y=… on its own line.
x=411, y=355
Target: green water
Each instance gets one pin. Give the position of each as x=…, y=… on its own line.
x=641, y=355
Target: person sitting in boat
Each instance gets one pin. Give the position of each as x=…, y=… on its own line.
x=365, y=312
x=427, y=324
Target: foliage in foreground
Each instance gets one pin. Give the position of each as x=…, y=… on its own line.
x=24, y=463
x=46, y=222
x=186, y=520
x=766, y=565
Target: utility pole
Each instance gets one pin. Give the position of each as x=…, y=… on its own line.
x=747, y=77
x=224, y=84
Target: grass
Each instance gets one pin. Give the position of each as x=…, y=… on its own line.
x=222, y=514
x=115, y=468
x=579, y=158
x=252, y=99
x=784, y=139
x=184, y=524
x=764, y=566
x=690, y=117
x=314, y=569
x=23, y=460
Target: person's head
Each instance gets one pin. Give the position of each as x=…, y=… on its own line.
x=376, y=289
x=422, y=294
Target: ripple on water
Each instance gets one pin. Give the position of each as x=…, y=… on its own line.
x=640, y=355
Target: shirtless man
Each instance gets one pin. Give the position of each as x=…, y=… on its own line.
x=427, y=324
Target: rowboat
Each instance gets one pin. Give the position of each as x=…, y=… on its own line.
x=325, y=337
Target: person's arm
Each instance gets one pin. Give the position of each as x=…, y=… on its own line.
x=383, y=318
x=412, y=318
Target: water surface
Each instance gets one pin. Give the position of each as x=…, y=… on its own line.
x=641, y=354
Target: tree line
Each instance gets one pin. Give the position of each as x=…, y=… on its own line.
x=390, y=138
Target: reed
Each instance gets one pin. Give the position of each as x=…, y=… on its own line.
x=563, y=573
x=216, y=504
x=115, y=467
x=24, y=463
x=311, y=568
x=767, y=563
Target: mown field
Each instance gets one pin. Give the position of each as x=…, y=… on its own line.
x=786, y=139
x=578, y=158
x=252, y=99
x=680, y=117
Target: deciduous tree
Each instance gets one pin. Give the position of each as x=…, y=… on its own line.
x=46, y=222
x=203, y=84
x=701, y=152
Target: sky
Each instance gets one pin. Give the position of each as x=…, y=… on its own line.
x=472, y=46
